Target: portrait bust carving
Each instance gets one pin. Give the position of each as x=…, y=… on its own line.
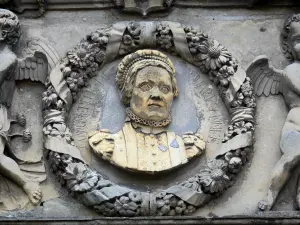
x=146, y=80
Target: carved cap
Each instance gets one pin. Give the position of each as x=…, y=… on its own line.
x=9, y=26
x=138, y=60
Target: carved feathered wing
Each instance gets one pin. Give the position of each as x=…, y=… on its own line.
x=37, y=59
x=265, y=78
x=33, y=67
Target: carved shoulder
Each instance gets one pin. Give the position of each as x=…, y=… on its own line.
x=7, y=63
x=102, y=143
x=194, y=144
x=292, y=76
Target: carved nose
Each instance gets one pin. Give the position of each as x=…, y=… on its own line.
x=155, y=97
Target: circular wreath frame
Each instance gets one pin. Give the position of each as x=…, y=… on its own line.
x=109, y=43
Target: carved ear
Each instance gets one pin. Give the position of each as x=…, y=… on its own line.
x=266, y=79
x=33, y=68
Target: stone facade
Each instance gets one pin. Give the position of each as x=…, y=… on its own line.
x=246, y=34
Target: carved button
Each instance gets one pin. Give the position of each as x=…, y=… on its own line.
x=151, y=135
x=153, y=153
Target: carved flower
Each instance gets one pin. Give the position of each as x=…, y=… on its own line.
x=224, y=75
x=246, y=88
x=134, y=29
x=239, y=127
x=234, y=162
x=77, y=57
x=50, y=99
x=192, y=183
x=125, y=207
x=250, y=102
x=80, y=177
x=99, y=36
x=135, y=196
x=214, y=179
x=163, y=29
x=127, y=40
x=212, y=54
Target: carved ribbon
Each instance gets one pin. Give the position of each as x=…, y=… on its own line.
x=115, y=39
x=180, y=42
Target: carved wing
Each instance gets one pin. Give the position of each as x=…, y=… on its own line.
x=37, y=60
x=265, y=78
x=33, y=67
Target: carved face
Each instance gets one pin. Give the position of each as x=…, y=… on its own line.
x=152, y=94
x=294, y=40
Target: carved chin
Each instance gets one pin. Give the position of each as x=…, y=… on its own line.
x=157, y=113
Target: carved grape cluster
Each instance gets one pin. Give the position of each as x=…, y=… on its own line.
x=164, y=37
x=51, y=99
x=130, y=40
x=170, y=205
x=126, y=205
x=245, y=97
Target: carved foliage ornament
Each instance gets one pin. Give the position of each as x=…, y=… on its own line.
x=107, y=44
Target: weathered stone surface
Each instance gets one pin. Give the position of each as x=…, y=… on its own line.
x=259, y=28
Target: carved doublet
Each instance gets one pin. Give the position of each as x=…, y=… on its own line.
x=142, y=148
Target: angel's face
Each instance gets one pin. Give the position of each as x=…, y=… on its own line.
x=294, y=40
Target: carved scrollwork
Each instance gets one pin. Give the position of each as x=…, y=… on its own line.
x=102, y=46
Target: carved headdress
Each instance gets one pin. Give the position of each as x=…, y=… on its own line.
x=136, y=61
x=10, y=27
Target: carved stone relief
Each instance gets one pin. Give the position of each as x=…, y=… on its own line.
x=67, y=79
x=149, y=118
x=25, y=170
x=268, y=80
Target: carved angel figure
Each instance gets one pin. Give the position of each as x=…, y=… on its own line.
x=34, y=67
x=268, y=80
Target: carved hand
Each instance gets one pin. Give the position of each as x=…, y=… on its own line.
x=102, y=143
x=194, y=144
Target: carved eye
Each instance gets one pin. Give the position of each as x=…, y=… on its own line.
x=165, y=89
x=146, y=87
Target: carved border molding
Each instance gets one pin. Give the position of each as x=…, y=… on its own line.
x=109, y=43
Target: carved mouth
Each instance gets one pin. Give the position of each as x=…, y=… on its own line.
x=155, y=104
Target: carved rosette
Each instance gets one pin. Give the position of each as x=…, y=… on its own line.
x=108, y=44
